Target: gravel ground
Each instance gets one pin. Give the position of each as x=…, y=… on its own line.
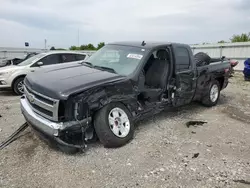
x=163, y=153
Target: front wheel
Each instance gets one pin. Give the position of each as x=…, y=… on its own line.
x=113, y=125
x=18, y=86
x=213, y=94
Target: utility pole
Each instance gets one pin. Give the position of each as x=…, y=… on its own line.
x=78, y=38
x=45, y=44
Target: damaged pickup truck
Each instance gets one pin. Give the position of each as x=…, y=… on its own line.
x=102, y=97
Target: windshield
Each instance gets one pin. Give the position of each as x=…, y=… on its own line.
x=32, y=59
x=123, y=60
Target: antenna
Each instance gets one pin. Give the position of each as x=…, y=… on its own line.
x=143, y=43
x=45, y=44
x=78, y=36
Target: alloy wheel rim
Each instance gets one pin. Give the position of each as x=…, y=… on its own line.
x=119, y=122
x=214, y=93
x=20, y=87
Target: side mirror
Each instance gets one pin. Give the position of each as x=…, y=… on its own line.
x=39, y=63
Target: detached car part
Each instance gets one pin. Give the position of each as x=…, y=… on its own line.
x=13, y=137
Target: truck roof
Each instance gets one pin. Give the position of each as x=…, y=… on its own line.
x=148, y=45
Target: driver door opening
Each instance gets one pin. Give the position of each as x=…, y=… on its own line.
x=154, y=77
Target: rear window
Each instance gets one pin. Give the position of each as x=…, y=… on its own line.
x=68, y=57
x=80, y=57
x=51, y=59
x=182, y=59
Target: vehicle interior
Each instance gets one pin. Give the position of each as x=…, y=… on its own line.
x=153, y=80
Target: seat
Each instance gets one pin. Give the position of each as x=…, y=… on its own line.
x=149, y=62
x=156, y=76
x=157, y=73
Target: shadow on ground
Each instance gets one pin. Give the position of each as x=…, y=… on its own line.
x=6, y=92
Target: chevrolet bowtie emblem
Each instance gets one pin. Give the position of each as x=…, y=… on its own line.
x=31, y=98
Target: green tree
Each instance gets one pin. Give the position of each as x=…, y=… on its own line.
x=100, y=45
x=52, y=48
x=91, y=47
x=88, y=47
x=241, y=38
x=83, y=47
x=74, y=48
x=222, y=41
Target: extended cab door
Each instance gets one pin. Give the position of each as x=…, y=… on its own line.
x=185, y=76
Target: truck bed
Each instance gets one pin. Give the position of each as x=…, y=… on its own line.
x=218, y=66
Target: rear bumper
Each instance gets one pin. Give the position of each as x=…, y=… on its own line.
x=48, y=130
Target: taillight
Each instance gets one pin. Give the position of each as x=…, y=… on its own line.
x=226, y=70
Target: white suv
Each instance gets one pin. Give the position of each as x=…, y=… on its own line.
x=13, y=76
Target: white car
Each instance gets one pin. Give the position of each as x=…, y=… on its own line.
x=13, y=76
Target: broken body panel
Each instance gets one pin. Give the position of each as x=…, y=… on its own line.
x=83, y=90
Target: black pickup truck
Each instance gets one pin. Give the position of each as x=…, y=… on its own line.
x=103, y=96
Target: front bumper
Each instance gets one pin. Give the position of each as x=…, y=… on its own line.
x=48, y=130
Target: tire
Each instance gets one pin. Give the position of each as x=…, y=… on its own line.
x=202, y=59
x=16, y=86
x=208, y=100
x=104, y=130
x=246, y=79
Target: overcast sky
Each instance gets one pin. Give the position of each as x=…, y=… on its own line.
x=187, y=21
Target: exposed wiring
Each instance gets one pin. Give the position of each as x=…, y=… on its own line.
x=83, y=129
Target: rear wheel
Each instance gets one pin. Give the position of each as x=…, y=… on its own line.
x=247, y=79
x=113, y=125
x=213, y=94
x=18, y=86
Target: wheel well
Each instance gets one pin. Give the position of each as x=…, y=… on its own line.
x=16, y=79
x=221, y=81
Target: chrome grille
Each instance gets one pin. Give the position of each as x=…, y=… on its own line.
x=42, y=105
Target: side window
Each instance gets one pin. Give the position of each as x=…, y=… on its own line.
x=68, y=58
x=80, y=57
x=51, y=59
x=182, y=59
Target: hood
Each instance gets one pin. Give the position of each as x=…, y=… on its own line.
x=60, y=81
x=10, y=68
